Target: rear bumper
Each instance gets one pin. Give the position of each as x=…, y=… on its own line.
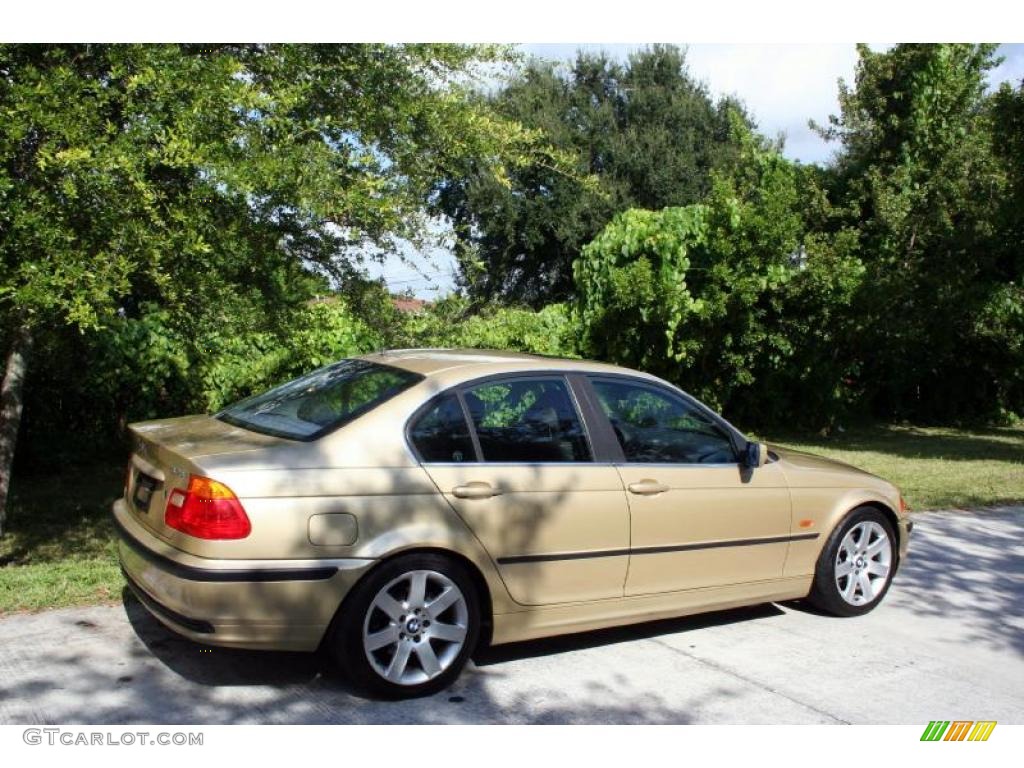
x=172, y=618
x=264, y=604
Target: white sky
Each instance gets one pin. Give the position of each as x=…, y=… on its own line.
x=783, y=86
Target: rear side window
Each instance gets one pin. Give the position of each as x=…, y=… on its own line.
x=523, y=419
x=441, y=434
x=321, y=401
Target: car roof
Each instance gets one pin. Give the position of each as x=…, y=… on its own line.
x=469, y=363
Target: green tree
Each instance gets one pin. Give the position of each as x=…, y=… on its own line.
x=921, y=179
x=209, y=182
x=1001, y=321
x=697, y=294
x=642, y=134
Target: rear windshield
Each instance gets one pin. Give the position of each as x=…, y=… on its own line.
x=321, y=401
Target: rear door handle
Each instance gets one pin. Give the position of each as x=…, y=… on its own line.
x=647, y=487
x=475, y=490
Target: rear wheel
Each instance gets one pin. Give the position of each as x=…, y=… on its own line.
x=856, y=566
x=409, y=627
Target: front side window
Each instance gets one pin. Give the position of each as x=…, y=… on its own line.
x=327, y=398
x=530, y=420
x=441, y=434
x=655, y=426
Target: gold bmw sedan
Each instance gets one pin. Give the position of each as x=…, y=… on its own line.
x=399, y=508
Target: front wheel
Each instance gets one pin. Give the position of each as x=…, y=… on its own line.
x=409, y=627
x=856, y=566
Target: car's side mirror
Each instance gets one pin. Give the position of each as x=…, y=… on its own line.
x=755, y=455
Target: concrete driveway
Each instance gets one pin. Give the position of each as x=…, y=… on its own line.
x=948, y=643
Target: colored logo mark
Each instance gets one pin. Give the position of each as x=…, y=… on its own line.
x=958, y=730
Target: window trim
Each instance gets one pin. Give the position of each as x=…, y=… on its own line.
x=737, y=440
x=566, y=378
x=603, y=441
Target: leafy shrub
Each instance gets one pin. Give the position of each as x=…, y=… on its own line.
x=85, y=388
x=452, y=322
x=732, y=298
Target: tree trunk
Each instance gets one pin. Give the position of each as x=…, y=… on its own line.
x=10, y=410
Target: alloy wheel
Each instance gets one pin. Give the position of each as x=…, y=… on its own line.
x=863, y=563
x=415, y=627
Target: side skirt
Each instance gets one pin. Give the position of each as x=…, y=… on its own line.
x=600, y=614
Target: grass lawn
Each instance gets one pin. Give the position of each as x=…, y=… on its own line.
x=934, y=467
x=59, y=549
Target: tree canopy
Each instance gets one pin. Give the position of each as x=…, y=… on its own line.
x=922, y=177
x=644, y=133
x=128, y=172
x=887, y=284
x=220, y=185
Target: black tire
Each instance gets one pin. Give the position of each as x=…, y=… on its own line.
x=825, y=591
x=345, y=637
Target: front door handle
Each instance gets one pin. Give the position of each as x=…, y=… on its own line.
x=647, y=487
x=475, y=490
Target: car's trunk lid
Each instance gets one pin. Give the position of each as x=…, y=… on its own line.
x=167, y=451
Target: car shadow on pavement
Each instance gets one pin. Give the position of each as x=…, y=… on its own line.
x=597, y=638
x=310, y=680
x=212, y=666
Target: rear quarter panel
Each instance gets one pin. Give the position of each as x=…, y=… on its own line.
x=394, y=509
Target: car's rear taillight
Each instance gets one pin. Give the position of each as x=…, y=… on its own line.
x=904, y=507
x=207, y=510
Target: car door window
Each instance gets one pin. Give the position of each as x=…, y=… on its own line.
x=441, y=434
x=655, y=426
x=529, y=420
